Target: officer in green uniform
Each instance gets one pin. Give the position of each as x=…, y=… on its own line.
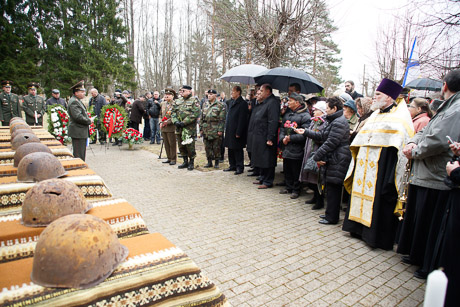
x=10, y=104
x=212, y=127
x=184, y=115
x=34, y=106
x=79, y=121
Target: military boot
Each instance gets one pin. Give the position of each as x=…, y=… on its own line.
x=209, y=163
x=185, y=164
x=216, y=164
x=191, y=165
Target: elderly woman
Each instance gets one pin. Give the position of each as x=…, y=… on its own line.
x=333, y=156
x=363, y=106
x=349, y=111
x=420, y=112
x=292, y=144
x=307, y=175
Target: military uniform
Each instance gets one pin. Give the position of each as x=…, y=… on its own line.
x=34, y=104
x=78, y=123
x=168, y=129
x=10, y=105
x=184, y=115
x=213, y=122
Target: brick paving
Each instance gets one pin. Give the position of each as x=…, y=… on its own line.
x=261, y=248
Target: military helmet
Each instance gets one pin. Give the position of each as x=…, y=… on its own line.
x=19, y=131
x=16, y=119
x=24, y=138
x=28, y=148
x=76, y=251
x=39, y=166
x=19, y=125
x=51, y=199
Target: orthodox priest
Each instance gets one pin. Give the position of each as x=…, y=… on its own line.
x=377, y=168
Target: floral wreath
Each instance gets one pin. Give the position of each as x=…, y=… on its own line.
x=119, y=115
x=58, y=122
x=132, y=136
x=92, y=128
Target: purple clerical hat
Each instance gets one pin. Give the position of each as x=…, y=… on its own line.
x=390, y=88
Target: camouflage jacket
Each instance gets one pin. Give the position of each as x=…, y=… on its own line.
x=186, y=111
x=213, y=120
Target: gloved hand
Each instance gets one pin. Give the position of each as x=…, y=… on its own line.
x=177, y=124
x=182, y=125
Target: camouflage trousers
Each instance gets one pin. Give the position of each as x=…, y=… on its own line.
x=186, y=150
x=212, y=148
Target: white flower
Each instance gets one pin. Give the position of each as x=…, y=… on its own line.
x=54, y=117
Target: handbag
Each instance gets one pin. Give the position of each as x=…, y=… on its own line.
x=310, y=165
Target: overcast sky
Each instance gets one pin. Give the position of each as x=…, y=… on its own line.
x=358, y=21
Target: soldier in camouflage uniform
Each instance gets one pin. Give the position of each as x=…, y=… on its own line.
x=184, y=115
x=34, y=106
x=10, y=104
x=212, y=126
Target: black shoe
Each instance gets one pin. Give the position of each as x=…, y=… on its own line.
x=167, y=161
x=230, y=169
x=252, y=174
x=209, y=164
x=216, y=164
x=172, y=163
x=311, y=201
x=280, y=184
x=191, y=165
x=116, y=143
x=294, y=195
x=152, y=142
x=185, y=164
x=284, y=191
x=420, y=274
x=322, y=216
x=406, y=260
x=238, y=172
x=317, y=207
x=251, y=169
x=326, y=222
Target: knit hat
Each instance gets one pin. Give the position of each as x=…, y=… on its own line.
x=351, y=104
x=320, y=105
x=390, y=88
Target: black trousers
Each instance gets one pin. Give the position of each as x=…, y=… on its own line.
x=79, y=148
x=333, y=196
x=268, y=175
x=236, y=158
x=291, y=174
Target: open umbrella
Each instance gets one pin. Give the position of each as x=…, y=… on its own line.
x=280, y=78
x=243, y=74
x=426, y=84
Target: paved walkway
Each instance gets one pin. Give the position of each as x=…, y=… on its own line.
x=261, y=248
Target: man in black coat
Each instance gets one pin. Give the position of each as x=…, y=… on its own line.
x=98, y=101
x=137, y=112
x=56, y=99
x=264, y=127
x=236, y=131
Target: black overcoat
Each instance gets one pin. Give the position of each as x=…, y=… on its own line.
x=264, y=127
x=237, y=124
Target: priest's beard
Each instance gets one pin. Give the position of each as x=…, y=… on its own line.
x=378, y=104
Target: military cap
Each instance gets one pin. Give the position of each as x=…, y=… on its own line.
x=186, y=87
x=170, y=91
x=6, y=83
x=55, y=91
x=33, y=85
x=80, y=86
x=212, y=92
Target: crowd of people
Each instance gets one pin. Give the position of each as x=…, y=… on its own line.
x=391, y=161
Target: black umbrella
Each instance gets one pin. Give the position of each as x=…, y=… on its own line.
x=426, y=84
x=280, y=78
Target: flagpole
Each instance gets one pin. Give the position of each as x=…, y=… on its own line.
x=409, y=64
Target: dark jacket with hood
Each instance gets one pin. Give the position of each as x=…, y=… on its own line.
x=335, y=150
x=295, y=148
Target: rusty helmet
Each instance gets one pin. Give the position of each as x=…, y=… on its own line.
x=16, y=119
x=76, y=251
x=28, y=148
x=39, y=166
x=24, y=138
x=51, y=199
x=16, y=132
x=19, y=124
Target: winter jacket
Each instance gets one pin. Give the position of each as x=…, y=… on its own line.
x=155, y=109
x=295, y=148
x=137, y=111
x=420, y=121
x=335, y=150
x=432, y=152
x=317, y=124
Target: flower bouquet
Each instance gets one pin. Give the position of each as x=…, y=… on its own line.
x=132, y=136
x=114, y=121
x=92, y=129
x=290, y=127
x=186, y=137
x=58, y=122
